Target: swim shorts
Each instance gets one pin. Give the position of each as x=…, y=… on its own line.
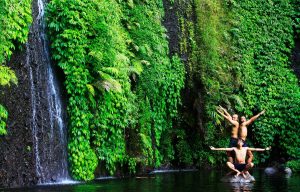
x=233, y=142
x=240, y=167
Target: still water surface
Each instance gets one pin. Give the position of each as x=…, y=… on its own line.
x=204, y=181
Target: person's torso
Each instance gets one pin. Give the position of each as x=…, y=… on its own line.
x=240, y=154
x=243, y=132
x=234, y=131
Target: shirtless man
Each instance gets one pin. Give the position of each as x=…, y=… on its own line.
x=234, y=130
x=240, y=166
x=244, y=123
x=243, y=131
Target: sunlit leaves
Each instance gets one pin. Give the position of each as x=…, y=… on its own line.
x=15, y=18
x=3, y=118
x=7, y=76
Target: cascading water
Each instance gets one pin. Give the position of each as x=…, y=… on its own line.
x=47, y=123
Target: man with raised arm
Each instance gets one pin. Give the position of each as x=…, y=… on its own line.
x=243, y=132
x=240, y=166
x=234, y=130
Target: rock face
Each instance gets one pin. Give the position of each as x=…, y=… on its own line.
x=180, y=20
x=238, y=179
x=32, y=150
x=16, y=157
x=296, y=58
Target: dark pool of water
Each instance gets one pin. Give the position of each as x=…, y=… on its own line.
x=204, y=181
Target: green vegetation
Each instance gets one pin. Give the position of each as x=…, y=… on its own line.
x=120, y=80
x=213, y=59
x=294, y=165
x=126, y=104
x=15, y=18
x=242, y=62
x=268, y=81
x=124, y=88
x=297, y=17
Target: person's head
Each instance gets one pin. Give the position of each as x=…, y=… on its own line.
x=240, y=143
x=243, y=119
x=235, y=117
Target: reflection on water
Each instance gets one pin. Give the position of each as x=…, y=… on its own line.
x=238, y=187
x=207, y=181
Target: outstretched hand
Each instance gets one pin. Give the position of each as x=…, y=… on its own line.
x=211, y=147
x=222, y=108
x=268, y=148
x=218, y=110
x=262, y=112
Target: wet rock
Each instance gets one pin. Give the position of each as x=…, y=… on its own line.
x=26, y=96
x=287, y=171
x=238, y=179
x=271, y=170
x=279, y=169
x=53, y=178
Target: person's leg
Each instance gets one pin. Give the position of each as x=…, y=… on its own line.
x=248, y=166
x=249, y=153
x=250, y=156
x=229, y=157
x=232, y=167
x=231, y=154
x=246, y=169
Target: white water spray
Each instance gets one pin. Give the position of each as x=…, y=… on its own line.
x=48, y=127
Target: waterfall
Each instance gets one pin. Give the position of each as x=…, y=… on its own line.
x=47, y=117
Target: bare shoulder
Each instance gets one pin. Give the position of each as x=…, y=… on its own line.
x=236, y=123
x=243, y=124
x=246, y=148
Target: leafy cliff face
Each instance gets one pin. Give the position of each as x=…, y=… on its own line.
x=263, y=42
x=241, y=59
x=123, y=88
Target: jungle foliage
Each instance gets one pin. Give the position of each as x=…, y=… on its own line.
x=242, y=61
x=133, y=105
x=264, y=41
x=123, y=88
x=15, y=18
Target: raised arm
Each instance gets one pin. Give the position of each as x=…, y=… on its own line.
x=220, y=149
x=225, y=111
x=259, y=149
x=227, y=116
x=254, y=118
x=222, y=113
